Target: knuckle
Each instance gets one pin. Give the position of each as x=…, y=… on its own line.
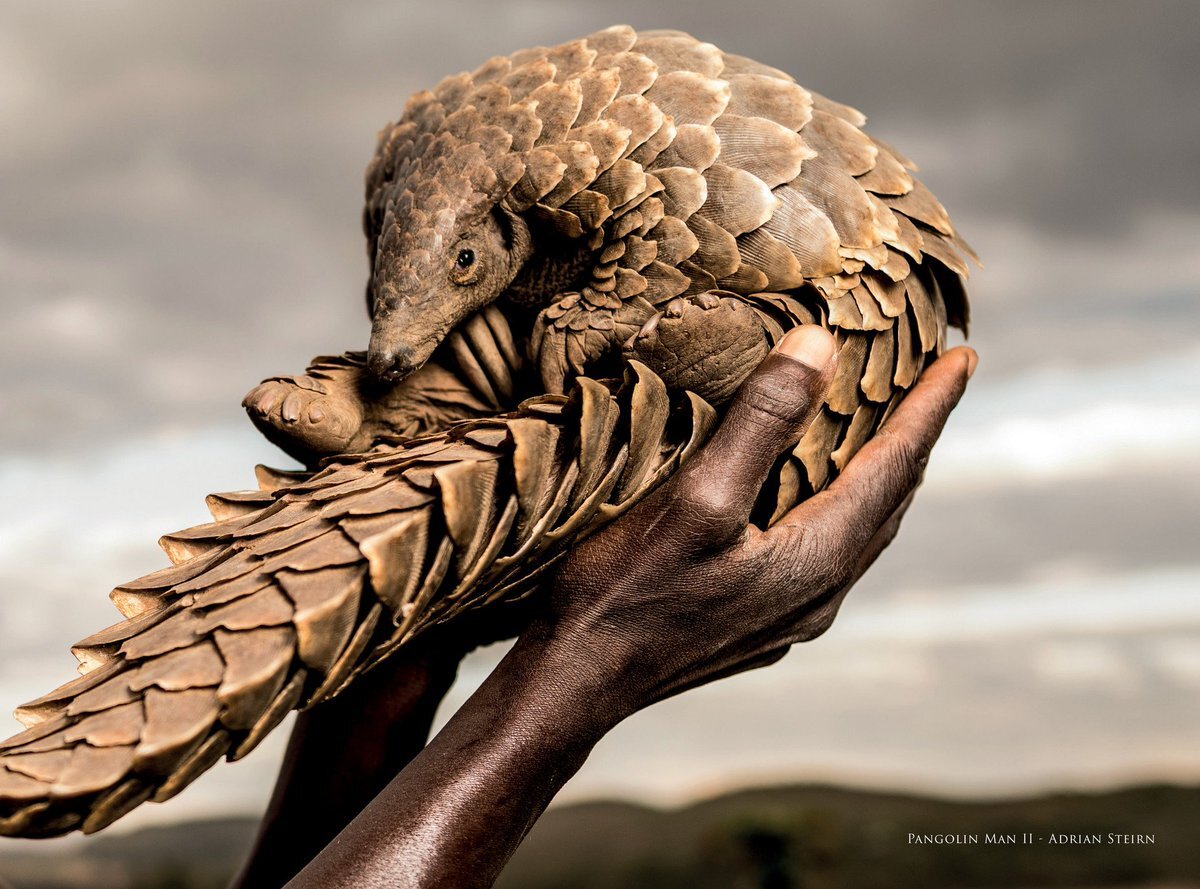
x=817, y=622
x=835, y=579
x=706, y=499
x=825, y=557
x=808, y=631
x=818, y=625
x=775, y=396
x=889, y=531
x=774, y=656
x=839, y=577
x=905, y=459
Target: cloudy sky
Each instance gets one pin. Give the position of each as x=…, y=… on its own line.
x=181, y=185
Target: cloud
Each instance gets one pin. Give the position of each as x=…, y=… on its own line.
x=1065, y=560
x=1090, y=662
x=182, y=189
x=1061, y=421
x=191, y=175
x=990, y=717
x=1179, y=659
x=1080, y=603
x=1010, y=609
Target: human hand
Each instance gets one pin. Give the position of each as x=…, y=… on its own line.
x=679, y=592
x=683, y=590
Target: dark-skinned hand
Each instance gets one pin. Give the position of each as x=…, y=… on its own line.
x=679, y=592
x=684, y=590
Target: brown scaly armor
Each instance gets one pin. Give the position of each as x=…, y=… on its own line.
x=578, y=254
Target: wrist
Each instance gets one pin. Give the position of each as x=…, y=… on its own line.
x=579, y=685
x=462, y=805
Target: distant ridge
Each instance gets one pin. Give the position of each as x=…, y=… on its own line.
x=795, y=837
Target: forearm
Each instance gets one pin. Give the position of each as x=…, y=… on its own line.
x=680, y=591
x=341, y=755
x=457, y=812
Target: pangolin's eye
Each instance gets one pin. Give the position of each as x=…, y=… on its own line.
x=466, y=259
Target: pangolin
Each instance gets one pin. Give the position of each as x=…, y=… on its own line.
x=577, y=254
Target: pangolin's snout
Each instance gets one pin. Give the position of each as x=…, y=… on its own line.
x=405, y=333
x=400, y=343
x=391, y=363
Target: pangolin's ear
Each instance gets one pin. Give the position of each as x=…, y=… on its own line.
x=518, y=240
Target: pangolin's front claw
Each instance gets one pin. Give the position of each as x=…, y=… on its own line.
x=708, y=343
x=303, y=417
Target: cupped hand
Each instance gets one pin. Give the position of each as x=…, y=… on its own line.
x=684, y=590
x=680, y=591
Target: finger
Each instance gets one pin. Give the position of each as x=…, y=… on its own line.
x=769, y=413
x=793, y=560
x=890, y=466
x=877, y=544
x=875, y=547
x=882, y=538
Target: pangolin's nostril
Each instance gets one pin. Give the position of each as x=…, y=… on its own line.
x=379, y=363
x=389, y=365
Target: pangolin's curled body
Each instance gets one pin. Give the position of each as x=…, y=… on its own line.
x=664, y=212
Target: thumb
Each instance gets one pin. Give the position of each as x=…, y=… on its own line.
x=769, y=413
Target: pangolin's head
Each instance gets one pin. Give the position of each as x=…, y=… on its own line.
x=442, y=244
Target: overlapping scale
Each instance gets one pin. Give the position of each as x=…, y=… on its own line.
x=683, y=170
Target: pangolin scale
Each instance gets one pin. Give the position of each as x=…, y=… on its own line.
x=664, y=212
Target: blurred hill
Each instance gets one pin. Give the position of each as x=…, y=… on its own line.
x=804, y=837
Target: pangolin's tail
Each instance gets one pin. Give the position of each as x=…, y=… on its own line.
x=297, y=587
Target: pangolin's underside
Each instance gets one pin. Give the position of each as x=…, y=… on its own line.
x=715, y=204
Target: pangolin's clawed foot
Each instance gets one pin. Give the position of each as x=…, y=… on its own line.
x=305, y=416
x=708, y=343
x=577, y=330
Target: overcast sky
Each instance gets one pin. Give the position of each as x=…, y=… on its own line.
x=181, y=185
